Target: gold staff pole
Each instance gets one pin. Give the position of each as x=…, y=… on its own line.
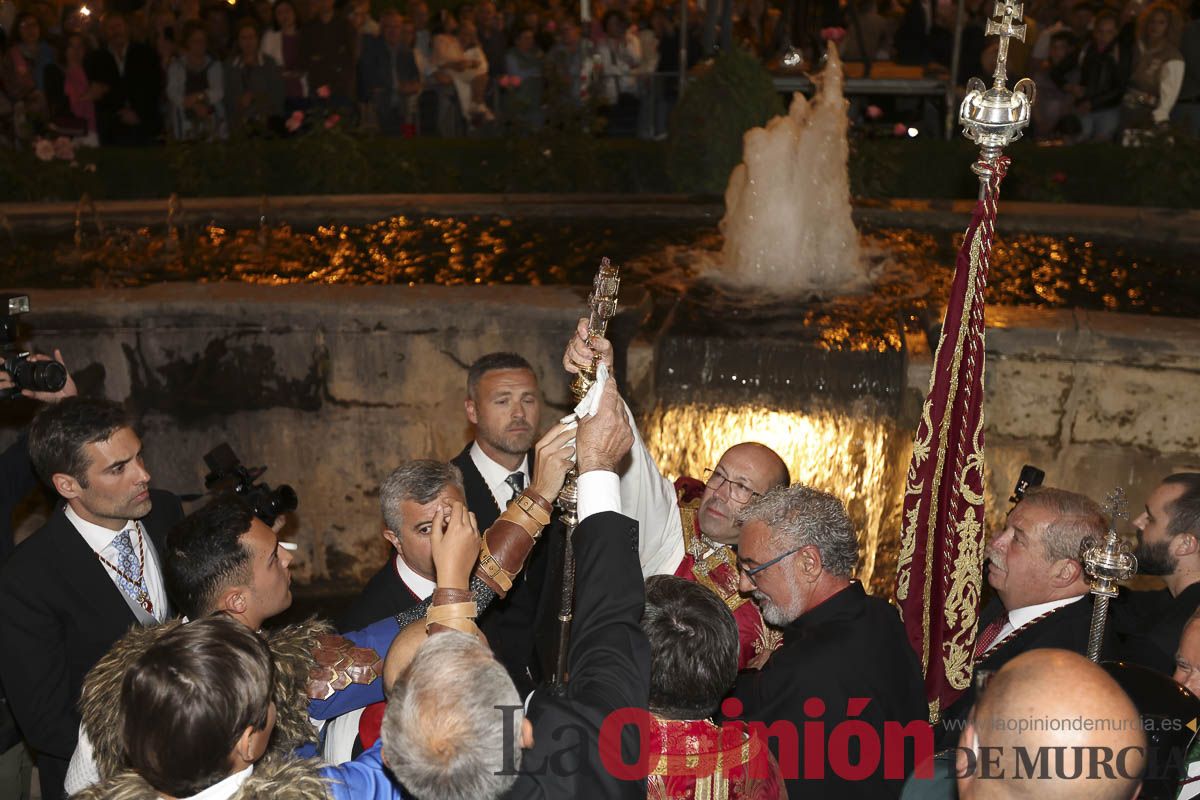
x=602, y=304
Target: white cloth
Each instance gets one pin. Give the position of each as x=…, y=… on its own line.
x=82, y=772
x=1022, y=616
x=496, y=475
x=1170, y=80
x=100, y=539
x=225, y=788
x=645, y=495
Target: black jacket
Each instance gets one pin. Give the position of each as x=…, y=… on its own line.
x=609, y=669
x=385, y=595
x=850, y=646
x=1153, y=638
x=16, y=482
x=1103, y=75
x=59, y=613
x=138, y=88
x=1066, y=629
x=510, y=624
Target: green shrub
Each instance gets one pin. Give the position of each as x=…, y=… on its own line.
x=716, y=109
x=1164, y=173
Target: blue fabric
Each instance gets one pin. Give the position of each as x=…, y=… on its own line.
x=378, y=636
x=363, y=778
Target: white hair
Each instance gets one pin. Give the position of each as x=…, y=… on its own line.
x=444, y=731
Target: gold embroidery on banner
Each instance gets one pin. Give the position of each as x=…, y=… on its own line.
x=962, y=600
x=943, y=427
x=908, y=535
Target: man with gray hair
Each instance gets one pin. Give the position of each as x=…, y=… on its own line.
x=844, y=654
x=408, y=497
x=1042, y=594
x=455, y=728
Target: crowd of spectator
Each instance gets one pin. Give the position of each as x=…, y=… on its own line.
x=1104, y=70
x=134, y=72
x=210, y=69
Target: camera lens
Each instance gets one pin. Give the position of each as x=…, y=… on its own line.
x=39, y=376
x=284, y=499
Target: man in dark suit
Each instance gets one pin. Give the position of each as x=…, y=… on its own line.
x=409, y=496
x=470, y=746
x=504, y=403
x=1042, y=594
x=88, y=575
x=388, y=74
x=127, y=78
x=840, y=647
x=1168, y=546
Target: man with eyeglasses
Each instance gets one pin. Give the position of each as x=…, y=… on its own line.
x=840, y=646
x=689, y=526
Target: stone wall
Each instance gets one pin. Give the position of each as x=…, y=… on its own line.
x=333, y=386
x=330, y=386
x=1097, y=400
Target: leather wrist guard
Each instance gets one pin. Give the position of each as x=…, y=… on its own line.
x=506, y=545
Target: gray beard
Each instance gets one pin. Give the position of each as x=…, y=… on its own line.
x=772, y=613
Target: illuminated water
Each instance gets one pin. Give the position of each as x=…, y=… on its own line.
x=787, y=224
x=854, y=452
x=817, y=381
x=1028, y=269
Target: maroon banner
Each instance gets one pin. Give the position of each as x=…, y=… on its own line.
x=939, y=573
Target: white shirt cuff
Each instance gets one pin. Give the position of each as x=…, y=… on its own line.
x=599, y=490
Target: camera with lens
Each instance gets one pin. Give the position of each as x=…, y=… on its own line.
x=36, y=376
x=1030, y=477
x=227, y=474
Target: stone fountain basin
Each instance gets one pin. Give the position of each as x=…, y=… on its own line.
x=332, y=386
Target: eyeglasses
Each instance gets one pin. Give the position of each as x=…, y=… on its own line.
x=738, y=492
x=750, y=572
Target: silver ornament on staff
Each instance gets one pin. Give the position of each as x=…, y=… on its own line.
x=994, y=117
x=602, y=305
x=1105, y=563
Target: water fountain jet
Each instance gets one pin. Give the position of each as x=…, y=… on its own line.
x=787, y=224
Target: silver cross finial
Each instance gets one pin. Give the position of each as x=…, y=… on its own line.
x=1116, y=506
x=1007, y=27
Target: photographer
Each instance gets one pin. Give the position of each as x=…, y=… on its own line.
x=16, y=472
x=17, y=480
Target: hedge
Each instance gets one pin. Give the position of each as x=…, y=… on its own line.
x=1167, y=174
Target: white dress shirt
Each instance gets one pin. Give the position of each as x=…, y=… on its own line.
x=495, y=475
x=100, y=539
x=1023, y=616
x=420, y=586
x=224, y=789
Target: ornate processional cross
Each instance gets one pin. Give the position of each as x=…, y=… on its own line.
x=1006, y=29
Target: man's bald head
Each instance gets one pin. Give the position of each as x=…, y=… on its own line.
x=1187, y=656
x=745, y=472
x=1060, y=726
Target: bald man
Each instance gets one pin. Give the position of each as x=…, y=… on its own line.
x=694, y=519
x=1052, y=725
x=1187, y=656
